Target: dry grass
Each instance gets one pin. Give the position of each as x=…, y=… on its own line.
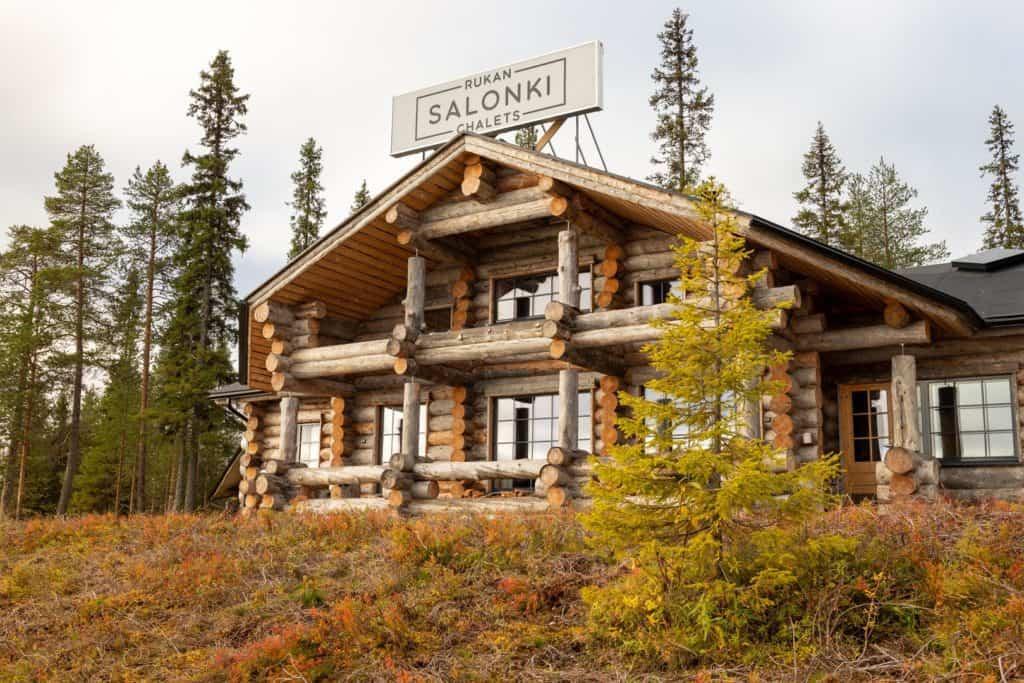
x=371, y=598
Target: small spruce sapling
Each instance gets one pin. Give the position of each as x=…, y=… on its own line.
x=690, y=496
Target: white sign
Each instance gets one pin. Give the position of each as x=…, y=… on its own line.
x=540, y=89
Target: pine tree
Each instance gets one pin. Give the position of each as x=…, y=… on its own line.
x=690, y=496
x=527, y=137
x=361, y=198
x=155, y=201
x=27, y=310
x=885, y=225
x=203, y=324
x=683, y=106
x=105, y=480
x=1005, y=226
x=81, y=212
x=307, y=198
x=822, y=210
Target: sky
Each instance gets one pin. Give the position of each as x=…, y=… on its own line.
x=911, y=81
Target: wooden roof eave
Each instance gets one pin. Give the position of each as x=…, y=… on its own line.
x=353, y=224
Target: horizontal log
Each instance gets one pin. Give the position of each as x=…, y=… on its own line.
x=865, y=337
x=342, y=366
x=318, y=477
x=982, y=477
x=479, y=470
x=487, y=506
x=273, y=312
x=288, y=383
x=336, y=352
x=504, y=210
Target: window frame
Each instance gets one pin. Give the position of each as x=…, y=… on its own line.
x=492, y=426
x=319, y=440
x=553, y=272
x=925, y=427
x=378, y=442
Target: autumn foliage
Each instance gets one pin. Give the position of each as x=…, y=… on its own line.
x=922, y=592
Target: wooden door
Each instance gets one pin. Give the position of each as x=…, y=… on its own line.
x=864, y=411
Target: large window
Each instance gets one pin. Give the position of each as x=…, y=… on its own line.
x=658, y=291
x=527, y=426
x=525, y=296
x=309, y=444
x=969, y=419
x=391, y=432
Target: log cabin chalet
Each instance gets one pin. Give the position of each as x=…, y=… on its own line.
x=459, y=343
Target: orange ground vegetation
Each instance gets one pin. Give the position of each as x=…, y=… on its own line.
x=939, y=593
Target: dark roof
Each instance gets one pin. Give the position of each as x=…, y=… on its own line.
x=992, y=282
x=900, y=279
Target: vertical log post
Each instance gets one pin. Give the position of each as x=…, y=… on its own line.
x=905, y=470
x=289, y=439
x=415, y=295
x=568, y=380
x=905, y=430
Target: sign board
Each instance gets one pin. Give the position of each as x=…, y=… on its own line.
x=540, y=89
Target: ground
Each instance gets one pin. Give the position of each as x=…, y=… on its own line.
x=208, y=597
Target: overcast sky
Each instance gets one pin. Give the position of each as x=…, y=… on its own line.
x=913, y=81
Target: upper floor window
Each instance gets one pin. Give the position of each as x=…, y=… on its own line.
x=391, y=432
x=525, y=296
x=969, y=419
x=309, y=444
x=658, y=291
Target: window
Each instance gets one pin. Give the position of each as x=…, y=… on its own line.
x=526, y=296
x=391, y=432
x=527, y=426
x=309, y=444
x=657, y=291
x=869, y=409
x=969, y=419
x=656, y=396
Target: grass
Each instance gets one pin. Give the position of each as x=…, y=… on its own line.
x=210, y=598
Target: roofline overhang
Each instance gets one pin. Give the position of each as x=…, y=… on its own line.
x=965, y=319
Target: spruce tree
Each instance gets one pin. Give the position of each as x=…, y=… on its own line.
x=81, y=212
x=689, y=499
x=155, y=201
x=857, y=234
x=683, y=106
x=527, y=137
x=821, y=215
x=1004, y=224
x=203, y=324
x=889, y=228
x=308, y=201
x=361, y=198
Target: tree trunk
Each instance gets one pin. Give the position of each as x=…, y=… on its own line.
x=192, y=464
x=179, y=480
x=74, y=450
x=147, y=346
